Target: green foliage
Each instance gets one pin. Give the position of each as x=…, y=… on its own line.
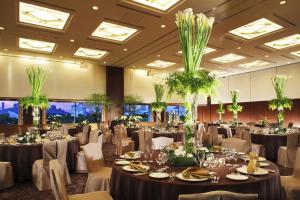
x=31, y=101
x=220, y=109
x=234, y=107
x=97, y=99
x=158, y=106
x=133, y=99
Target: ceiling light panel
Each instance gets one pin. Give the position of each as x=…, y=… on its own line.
x=90, y=53
x=160, y=64
x=162, y=5
x=228, y=58
x=113, y=32
x=296, y=53
x=286, y=42
x=255, y=29
x=36, y=45
x=42, y=16
x=206, y=50
x=256, y=63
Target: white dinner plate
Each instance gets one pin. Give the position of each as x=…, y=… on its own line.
x=135, y=156
x=122, y=162
x=236, y=177
x=260, y=159
x=264, y=164
x=258, y=172
x=192, y=179
x=159, y=175
x=129, y=169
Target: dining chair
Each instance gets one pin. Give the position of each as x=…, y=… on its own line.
x=98, y=174
x=218, y=195
x=291, y=184
x=59, y=190
x=212, y=137
x=40, y=168
x=94, y=126
x=199, y=134
x=83, y=136
x=161, y=142
x=259, y=149
x=141, y=134
x=123, y=144
x=239, y=132
x=93, y=137
x=64, y=129
x=6, y=175
x=287, y=154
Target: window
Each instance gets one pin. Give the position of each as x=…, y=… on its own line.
x=64, y=111
x=142, y=110
x=87, y=112
x=8, y=112
x=175, y=110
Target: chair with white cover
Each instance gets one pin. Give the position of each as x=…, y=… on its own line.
x=93, y=137
x=218, y=195
x=94, y=126
x=199, y=134
x=6, y=175
x=123, y=143
x=161, y=142
x=259, y=149
x=287, y=154
x=99, y=175
x=291, y=184
x=81, y=166
x=59, y=190
x=141, y=134
x=64, y=129
x=239, y=132
x=212, y=137
x=83, y=136
x=148, y=138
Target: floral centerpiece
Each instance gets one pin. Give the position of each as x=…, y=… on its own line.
x=158, y=106
x=262, y=122
x=235, y=108
x=221, y=111
x=54, y=123
x=281, y=102
x=129, y=121
x=194, y=32
x=37, y=76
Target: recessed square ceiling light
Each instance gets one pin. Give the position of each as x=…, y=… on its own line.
x=162, y=5
x=296, y=53
x=90, y=53
x=228, y=58
x=219, y=73
x=286, y=42
x=180, y=69
x=206, y=50
x=160, y=64
x=42, y=16
x=256, y=63
x=255, y=29
x=114, y=32
x=36, y=45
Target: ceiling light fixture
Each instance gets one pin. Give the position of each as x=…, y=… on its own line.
x=2, y=28
x=239, y=47
x=267, y=56
x=180, y=69
x=228, y=58
x=115, y=32
x=163, y=26
x=160, y=64
x=282, y=2
x=162, y=5
x=286, y=42
x=72, y=40
x=95, y=8
x=207, y=50
x=36, y=45
x=125, y=49
x=296, y=53
x=90, y=53
x=255, y=29
x=5, y=49
x=42, y=16
x=256, y=63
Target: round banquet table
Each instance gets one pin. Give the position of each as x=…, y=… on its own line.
x=271, y=142
x=126, y=186
x=22, y=157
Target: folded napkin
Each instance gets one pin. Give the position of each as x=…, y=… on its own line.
x=139, y=167
x=130, y=154
x=196, y=172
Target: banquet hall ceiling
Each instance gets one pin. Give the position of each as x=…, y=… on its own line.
x=152, y=41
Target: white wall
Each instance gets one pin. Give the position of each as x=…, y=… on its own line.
x=257, y=85
x=64, y=81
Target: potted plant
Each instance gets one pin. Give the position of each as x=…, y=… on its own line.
x=281, y=102
x=97, y=100
x=158, y=106
x=194, y=32
x=220, y=111
x=235, y=108
x=36, y=76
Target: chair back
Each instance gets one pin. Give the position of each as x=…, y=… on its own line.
x=290, y=125
x=86, y=129
x=239, y=132
x=141, y=134
x=161, y=142
x=148, y=138
x=62, y=147
x=104, y=127
x=57, y=181
x=218, y=195
x=123, y=131
x=213, y=135
x=199, y=134
x=94, y=134
x=64, y=129
x=93, y=156
x=292, y=141
x=296, y=171
x=94, y=126
x=49, y=153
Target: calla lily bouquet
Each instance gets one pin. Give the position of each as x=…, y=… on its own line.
x=235, y=108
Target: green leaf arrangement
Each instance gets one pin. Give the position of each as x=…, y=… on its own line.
x=281, y=102
x=220, y=109
x=194, y=32
x=235, y=108
x=97, y=99
x=37, y=75
x=158, y=105
x=133, y=99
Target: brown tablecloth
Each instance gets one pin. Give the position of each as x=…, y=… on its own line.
x=271, y=142
x=71, y=131
x=22, y=157
x=126, y=186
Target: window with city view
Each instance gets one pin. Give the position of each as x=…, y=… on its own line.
x=176, y=110
x=87, y=112
x=8, y=112
x=142, y=110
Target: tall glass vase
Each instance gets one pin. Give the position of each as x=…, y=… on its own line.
x=158, y=118
x=280, y=118
x=36, y=117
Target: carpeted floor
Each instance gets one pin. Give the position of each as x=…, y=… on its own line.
x=27, y=191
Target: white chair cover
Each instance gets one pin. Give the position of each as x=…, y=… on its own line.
x=6, y=175
x=62, y=147
x=161, y=142
x=148, y=139
x=218, y=195
x=199, y=134
x=141, y=134
x=94, y=134
x=287, y=154
x=239, y=132
x=83, y=136
x=123, y=144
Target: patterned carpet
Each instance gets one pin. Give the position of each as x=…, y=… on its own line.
x=27, y=191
